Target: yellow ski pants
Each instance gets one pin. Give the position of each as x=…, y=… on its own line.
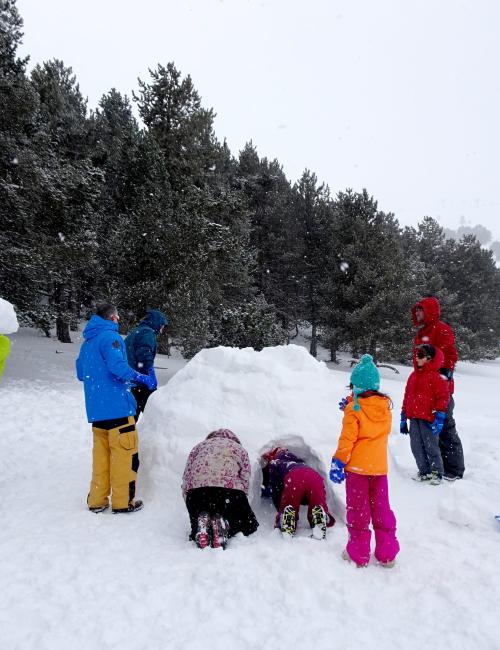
x=115, y=461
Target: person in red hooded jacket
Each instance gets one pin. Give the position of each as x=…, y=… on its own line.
x=425, y=402
x=431, y=330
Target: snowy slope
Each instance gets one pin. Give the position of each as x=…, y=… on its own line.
x=72, y=579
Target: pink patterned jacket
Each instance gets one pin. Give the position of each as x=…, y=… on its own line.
x=218, y=461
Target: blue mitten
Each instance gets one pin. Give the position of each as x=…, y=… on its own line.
x=403, y=425
x=437, y=425
x=337, y=474
x=343, y=403
x=148, y=380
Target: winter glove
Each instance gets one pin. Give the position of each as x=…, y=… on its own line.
x=437, y=425
x=148, y=380
x=337, y=474
x=446, y=372
x=265, y=491
x=403, y=425
x=343, y=403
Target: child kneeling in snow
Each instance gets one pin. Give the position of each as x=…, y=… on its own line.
x=215, y=488
x=362, y=452
x=291, y=482
x=425, y=402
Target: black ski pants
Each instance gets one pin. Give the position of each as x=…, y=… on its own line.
x=451, y=445
x=231, y=504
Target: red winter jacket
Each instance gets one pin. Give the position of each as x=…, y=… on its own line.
x=435, y=332
x=427, y=390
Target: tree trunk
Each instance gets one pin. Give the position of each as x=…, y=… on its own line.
x=333, y=353
x=61, y=296
x=62, y=330
x=313, y=348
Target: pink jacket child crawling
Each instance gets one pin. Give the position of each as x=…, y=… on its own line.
x=290, y=482
x=215, y=488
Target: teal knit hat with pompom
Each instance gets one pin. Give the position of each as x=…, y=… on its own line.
x=365, y=376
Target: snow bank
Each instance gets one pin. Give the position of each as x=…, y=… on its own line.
x=280, y=394
x=8, y=318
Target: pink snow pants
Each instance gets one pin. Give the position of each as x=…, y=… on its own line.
x=368, y=497
x=303, y=485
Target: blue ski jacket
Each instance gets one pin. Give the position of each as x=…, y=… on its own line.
x=106, y=375
x=141, y=342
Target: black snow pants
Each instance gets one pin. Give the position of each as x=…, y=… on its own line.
x=231, y=504
x=451, y=445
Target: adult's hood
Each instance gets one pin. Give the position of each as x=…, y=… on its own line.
x=97, y=325
x=224, y=433
x=155, y=319
x=431, y=309
x=374, y=407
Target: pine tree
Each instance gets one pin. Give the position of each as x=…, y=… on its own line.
x=65, y=212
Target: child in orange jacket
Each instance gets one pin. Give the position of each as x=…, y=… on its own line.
x=362, y=454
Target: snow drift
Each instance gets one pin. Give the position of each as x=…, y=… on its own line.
x=8, y=318
x=279, y=395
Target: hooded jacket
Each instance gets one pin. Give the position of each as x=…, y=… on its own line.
x=103, y=368
x=274, y=472
x=427, y=390
x=218, y=461
x=435, y=332
x=141, y=342
x=363, y=442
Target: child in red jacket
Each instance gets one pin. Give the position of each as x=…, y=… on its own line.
x=425, y=402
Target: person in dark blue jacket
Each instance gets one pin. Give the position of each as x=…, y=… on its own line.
x=141, y=352
x=108, y=380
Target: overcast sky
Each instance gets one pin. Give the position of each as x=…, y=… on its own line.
x=399, y=96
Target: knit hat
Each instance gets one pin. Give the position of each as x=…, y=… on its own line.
x=365, y=376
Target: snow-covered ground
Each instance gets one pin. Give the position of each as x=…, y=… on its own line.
x=73, y=579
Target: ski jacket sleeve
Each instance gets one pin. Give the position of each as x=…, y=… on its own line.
x=407, y=392
x=245, y=470
x=441, y=392
x=348, y=436
x=79, y=369
x=145, y=349
x=445, y=340
x=112, y=350
x=186, y=477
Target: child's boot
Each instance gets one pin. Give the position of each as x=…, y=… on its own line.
x=287, y=522
x=434, y=478
x=220, y=531
x=422, y=478
x=202, y=537
x=318, y=517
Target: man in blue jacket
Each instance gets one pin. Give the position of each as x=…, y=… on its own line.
x=141, y=352
x=108, y=380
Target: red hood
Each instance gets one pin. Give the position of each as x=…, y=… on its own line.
x=432, y=311
x=436, y=363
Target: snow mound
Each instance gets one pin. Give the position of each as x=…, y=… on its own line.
x=280, y=394
x=8, y=318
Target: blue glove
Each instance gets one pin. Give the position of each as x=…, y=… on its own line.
x=343, y=403
x=403, y=425
x=148, y=380
x=437, y=425
x=337, y=474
